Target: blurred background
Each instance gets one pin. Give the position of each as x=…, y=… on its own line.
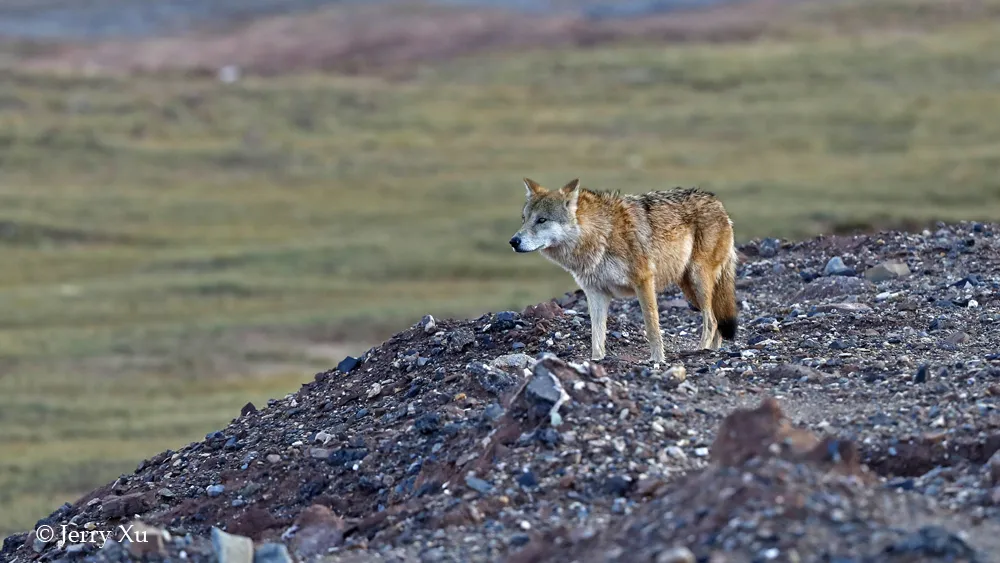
x=204, y=202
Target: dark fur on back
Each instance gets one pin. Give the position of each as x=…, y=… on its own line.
x=674, y=195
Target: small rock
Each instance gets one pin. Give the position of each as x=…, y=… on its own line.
x=427, y=423
x=319, y=453
x=272, y=553
x=933, y=541
x=808, y=275
x=527, y=480
x=123, y=506
x=458, y=340
x=886, y=271
x=921, y=376
x=493, y=380
x=618, y=486
x=829, y=287
x=493, y=411
x=505, y=320
x=771, y=553
x=215, y=490
x=544, y=387
x=677, y=374
x=546, y=310
x=319, y=530
x=673, y=304
x=676, y=555
x=548, y=436
x=957, y=338
x=273, y=458
x=344, y=456
x=519, y=361
x=769, y=247
x=479, y=485
x=846, y=307
x=230, y=548
x=427, y=323
x=675, y=452
x=518, y=540
x=248, y=409
x=347, y=364
x=836, y=267
x=165, y=493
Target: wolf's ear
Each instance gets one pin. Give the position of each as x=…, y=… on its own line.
x=532, y=188
x=571, y=192
x=573, y=186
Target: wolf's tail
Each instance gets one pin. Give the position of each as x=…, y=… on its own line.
x=724, y=299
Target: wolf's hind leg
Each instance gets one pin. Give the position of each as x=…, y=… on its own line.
x=702, y=285
x=646, y=291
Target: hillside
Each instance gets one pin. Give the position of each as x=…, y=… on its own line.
x=175, y=247
x=438, y=445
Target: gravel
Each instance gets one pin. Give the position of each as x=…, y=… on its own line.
x=855, y=419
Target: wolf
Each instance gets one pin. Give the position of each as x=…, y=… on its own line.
x=635, y=245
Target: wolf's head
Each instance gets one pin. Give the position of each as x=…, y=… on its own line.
x=549, y=217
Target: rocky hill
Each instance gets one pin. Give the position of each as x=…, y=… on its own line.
x=855, y=419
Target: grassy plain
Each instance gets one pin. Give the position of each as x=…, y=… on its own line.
x=171, y=248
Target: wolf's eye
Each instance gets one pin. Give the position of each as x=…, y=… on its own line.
x=541, y=220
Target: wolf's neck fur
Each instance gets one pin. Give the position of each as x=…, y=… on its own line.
x=594, y=217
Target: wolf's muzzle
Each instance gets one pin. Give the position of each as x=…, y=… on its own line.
x=515, y=243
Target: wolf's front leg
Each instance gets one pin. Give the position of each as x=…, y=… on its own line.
x=597, y=305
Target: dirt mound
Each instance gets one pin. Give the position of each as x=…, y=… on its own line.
x=856, y=421
x=393, y=38
x=775, y=493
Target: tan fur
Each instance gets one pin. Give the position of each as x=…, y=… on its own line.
x=618, y=245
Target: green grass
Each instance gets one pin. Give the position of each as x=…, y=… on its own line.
x=173, y=247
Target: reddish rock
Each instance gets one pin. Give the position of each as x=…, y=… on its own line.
x=124, y=506
x=319, y=530
x=546, y=310
x=765, y=432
